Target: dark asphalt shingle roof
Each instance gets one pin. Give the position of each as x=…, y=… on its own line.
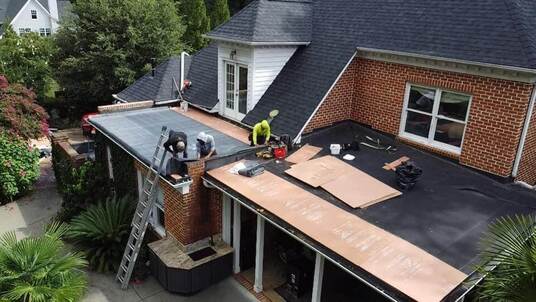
x=162, y=87
x=269, y=21
x=499, y=32
x=138, y=131
x=203, y=74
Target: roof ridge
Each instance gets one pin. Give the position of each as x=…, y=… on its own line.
x=256, y=19
x=239, y=13
x=519, y=21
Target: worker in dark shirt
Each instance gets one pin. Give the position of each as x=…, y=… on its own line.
x=177, y=143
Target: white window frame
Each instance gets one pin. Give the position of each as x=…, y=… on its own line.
x=435, y=116
x=42, y=32
x=234, y=113
x=158, y=205
x=47, y=32
x=33, y=13
x=24, y=30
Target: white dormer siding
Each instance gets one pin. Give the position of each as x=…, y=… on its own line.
x=44, y=24
x=263, y=64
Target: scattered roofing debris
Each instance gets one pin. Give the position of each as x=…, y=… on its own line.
x=392, y=165
x=397, y=262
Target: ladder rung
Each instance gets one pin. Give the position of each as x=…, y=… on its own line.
x=139, y=214
x=124, y=268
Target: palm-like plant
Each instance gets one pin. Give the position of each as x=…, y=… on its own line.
x=509, y=259
x=101, y=232
x=38, y=269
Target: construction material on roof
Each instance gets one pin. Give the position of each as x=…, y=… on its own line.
x=393, y=260
x=303, y=154
x=392, y=165
x=214, y=122
x=351, y=185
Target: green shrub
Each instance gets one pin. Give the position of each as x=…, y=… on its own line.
x=102, y=232
x=19, y=167
x=38, y=268
x=79, y=187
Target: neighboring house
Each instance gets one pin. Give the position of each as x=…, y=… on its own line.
x=39, y=16
x=451, y=83
x=161, y=85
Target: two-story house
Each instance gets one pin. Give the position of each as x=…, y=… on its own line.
x=450, y=84
x=39, y=16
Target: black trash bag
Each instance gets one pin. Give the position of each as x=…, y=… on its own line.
x=353, y=146
x=407, y=175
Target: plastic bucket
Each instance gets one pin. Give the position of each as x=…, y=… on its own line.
x=335, y=149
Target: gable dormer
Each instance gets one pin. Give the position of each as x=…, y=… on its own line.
x=253, y=47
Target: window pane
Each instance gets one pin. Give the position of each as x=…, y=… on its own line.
x=418, y=124
x=449, y=132
x=243, y=90
x=229, y=86
x=454, y=105
x=421, y=99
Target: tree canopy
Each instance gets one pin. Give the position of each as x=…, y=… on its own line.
x=219, y=13
x=110, y=44
x=25, y=59
x=197, y=23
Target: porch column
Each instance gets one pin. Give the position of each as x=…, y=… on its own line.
x=236, y=237
x=226, y=219
x=259, y=256
x=318, y=277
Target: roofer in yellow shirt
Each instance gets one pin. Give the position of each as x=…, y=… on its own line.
x=261, y=134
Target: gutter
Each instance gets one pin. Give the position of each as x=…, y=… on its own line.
x=524, y=132
x=250, y=43
x=378, y=290
x=115, y=96
x=421, y=56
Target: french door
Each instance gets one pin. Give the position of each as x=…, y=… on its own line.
x=236, y=90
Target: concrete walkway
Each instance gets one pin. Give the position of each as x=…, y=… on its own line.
x=28, y=216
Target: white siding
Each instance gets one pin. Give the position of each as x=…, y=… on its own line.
x=24, y=18
x=267, y=63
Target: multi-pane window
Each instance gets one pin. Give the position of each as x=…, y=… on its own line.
x=47, y=32
x=435, y=117
x=34, y=13
x=42, y=32
x=23, y=31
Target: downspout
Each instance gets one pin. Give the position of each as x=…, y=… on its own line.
x=523, y=138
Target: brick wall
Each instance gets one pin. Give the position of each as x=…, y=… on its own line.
x=193, y=216
x=527, y=171
x=496, y=117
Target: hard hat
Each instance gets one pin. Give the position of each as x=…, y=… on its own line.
x=202, y=136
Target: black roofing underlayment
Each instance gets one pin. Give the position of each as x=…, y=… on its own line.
x=445, y=214
x=499, y=32
x=138, y=131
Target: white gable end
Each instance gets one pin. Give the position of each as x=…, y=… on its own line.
x=24, y=21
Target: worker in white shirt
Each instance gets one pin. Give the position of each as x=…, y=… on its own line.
x=206, y=146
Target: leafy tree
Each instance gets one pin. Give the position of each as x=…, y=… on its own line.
x=25, y=60
x=197, y=23
x=20, y=115
x=509, y=247
x=219, y=13
x=19, y=167
x=38, y=268
x=110, y=43
x=102, y=232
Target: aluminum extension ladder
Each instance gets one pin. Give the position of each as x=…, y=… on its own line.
x=141, y=216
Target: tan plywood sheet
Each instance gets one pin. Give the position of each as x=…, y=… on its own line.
x=358, y=189
x=397, y=262
x=305, y=153
x=219, y=124
x=319, y=171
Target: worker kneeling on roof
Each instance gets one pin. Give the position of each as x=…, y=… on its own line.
x=177, y=142
x=261, y=134
x=206, y=146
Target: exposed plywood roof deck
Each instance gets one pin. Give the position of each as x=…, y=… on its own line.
x=216, y=123
x=397, y=262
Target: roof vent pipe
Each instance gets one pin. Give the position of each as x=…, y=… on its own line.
x=153, y=68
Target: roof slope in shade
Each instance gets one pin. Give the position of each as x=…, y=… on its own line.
x=499, y=32
x=268, y=21
x=161, y=87
x=138, y=131
x=203, y=75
